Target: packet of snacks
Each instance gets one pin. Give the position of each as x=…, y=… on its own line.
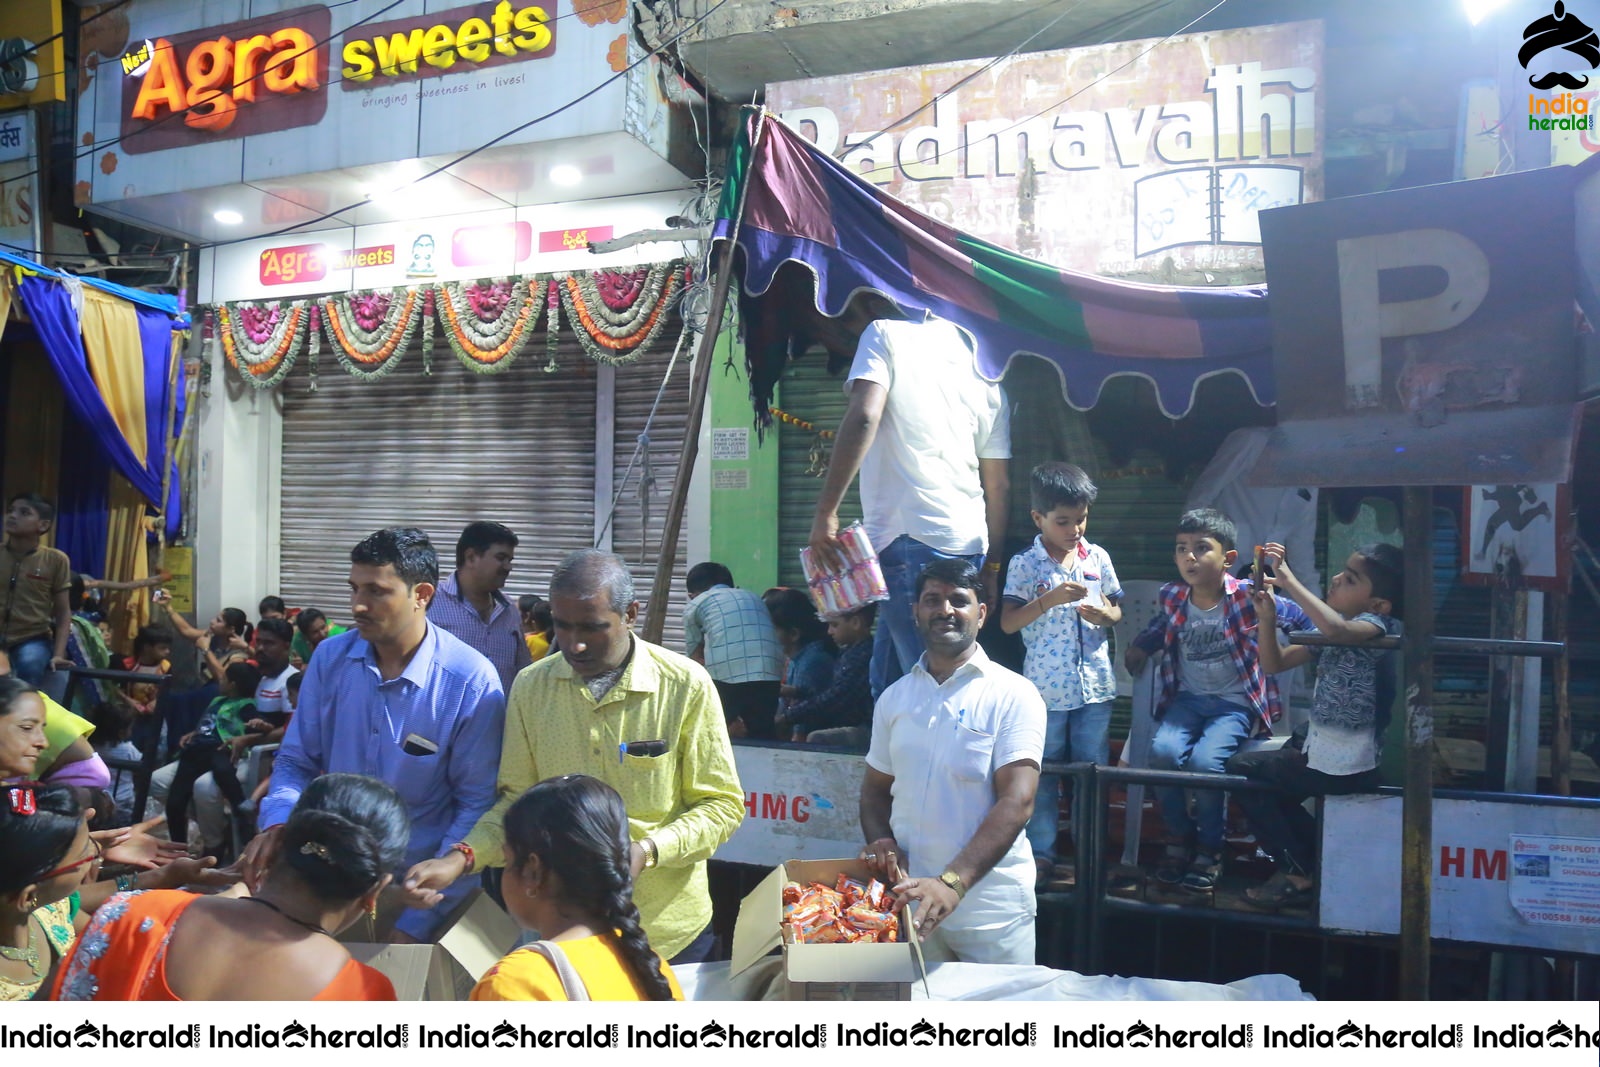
x=859, y=584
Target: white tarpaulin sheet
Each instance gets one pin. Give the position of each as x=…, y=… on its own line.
x=980, y=981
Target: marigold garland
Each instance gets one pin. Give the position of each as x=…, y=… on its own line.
x=621, y=313
x=262, y=340
x=488, y=322
x=370, y=329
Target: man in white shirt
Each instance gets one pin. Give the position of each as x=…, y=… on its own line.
x=950, y=781
x=931, y=439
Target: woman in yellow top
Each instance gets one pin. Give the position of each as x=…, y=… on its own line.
x=567, y=875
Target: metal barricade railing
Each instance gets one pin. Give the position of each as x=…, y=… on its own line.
x=1090, y=903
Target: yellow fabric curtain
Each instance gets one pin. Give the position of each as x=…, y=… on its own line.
x=127, y=559
x=5, y=300
x=116, y=361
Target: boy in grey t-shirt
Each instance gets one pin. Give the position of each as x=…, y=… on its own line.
x=1339, y=751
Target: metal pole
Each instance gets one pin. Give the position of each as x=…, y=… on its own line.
x=1561, y=737
x=1416, y=849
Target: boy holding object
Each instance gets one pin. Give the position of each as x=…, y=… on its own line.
x=1062, y=593
x=1214, y=691
x=1338, y=752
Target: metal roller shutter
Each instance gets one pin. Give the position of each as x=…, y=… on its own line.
x=636, y=529
x=807, y=392
x=436, y=452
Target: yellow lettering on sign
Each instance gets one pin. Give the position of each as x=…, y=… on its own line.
x=535, y=34
x=439, y=46
x=399, y=52
x=470, y=38
x=508, y=31
x=358, y=64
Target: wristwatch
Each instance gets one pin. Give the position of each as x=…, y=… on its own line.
x=957, y=886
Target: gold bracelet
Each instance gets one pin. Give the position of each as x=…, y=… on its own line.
x=651, y=856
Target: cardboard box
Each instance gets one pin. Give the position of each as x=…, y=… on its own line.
x=824, y=972
x=470, y=942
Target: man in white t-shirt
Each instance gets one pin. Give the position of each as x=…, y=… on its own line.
x=930, y=438
x=950, y=781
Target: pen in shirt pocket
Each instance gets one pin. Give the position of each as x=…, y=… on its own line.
x=648, y=749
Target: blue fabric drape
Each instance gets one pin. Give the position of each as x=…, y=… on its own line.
x=49, y=305
x=81, y=516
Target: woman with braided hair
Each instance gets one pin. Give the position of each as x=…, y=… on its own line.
x=567, y=876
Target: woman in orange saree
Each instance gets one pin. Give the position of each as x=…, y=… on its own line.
x=341, y=843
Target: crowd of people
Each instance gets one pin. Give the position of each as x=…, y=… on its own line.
x=447, y=732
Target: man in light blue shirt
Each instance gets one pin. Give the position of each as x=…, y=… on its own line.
x=398, y=700
x=470, y=605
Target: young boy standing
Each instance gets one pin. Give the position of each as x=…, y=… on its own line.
x=1062, y=593
x=1338, y=751
x=1214, y=692
x=35, y=608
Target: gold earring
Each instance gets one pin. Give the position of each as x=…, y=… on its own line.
x=372, y=912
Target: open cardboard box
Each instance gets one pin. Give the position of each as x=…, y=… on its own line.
x=825, y=972
x=471, y=941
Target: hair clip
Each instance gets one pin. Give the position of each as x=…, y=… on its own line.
x=317, y=849
x=23, y=800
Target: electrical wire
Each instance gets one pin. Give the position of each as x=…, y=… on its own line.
x=100, y=146
x=988, y=66
x=485, y=146
x=1068, y=98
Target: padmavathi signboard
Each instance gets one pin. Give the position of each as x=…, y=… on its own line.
x=1141, y=158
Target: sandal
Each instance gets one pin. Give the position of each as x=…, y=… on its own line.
x=1278, y=892
x=1171, y=869
x=1203, y=874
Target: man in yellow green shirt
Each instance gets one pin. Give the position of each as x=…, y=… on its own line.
x=642, y=719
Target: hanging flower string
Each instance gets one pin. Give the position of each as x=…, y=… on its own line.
x=429, y=300
x=315, y=339
x=262, y=340
x=552, y=326
x=488, y=322
x=370, y=330
x=621, y=312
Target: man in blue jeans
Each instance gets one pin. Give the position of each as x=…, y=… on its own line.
x=930, y=438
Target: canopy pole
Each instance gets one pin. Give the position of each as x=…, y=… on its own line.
x=655, y=616
x=1416, y=844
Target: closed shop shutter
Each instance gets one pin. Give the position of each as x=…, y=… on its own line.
x=807, y=392
x=436, y=452
x=636, y=529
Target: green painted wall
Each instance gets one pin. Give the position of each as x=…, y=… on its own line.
x=744, y=491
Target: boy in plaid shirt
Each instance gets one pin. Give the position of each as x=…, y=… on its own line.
x=1214, y=693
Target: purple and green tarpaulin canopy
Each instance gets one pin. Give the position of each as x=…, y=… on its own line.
x=804, y=210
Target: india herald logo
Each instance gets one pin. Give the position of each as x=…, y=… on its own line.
x=1564, y=30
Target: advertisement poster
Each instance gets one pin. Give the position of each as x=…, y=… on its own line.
x=1555, y=881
